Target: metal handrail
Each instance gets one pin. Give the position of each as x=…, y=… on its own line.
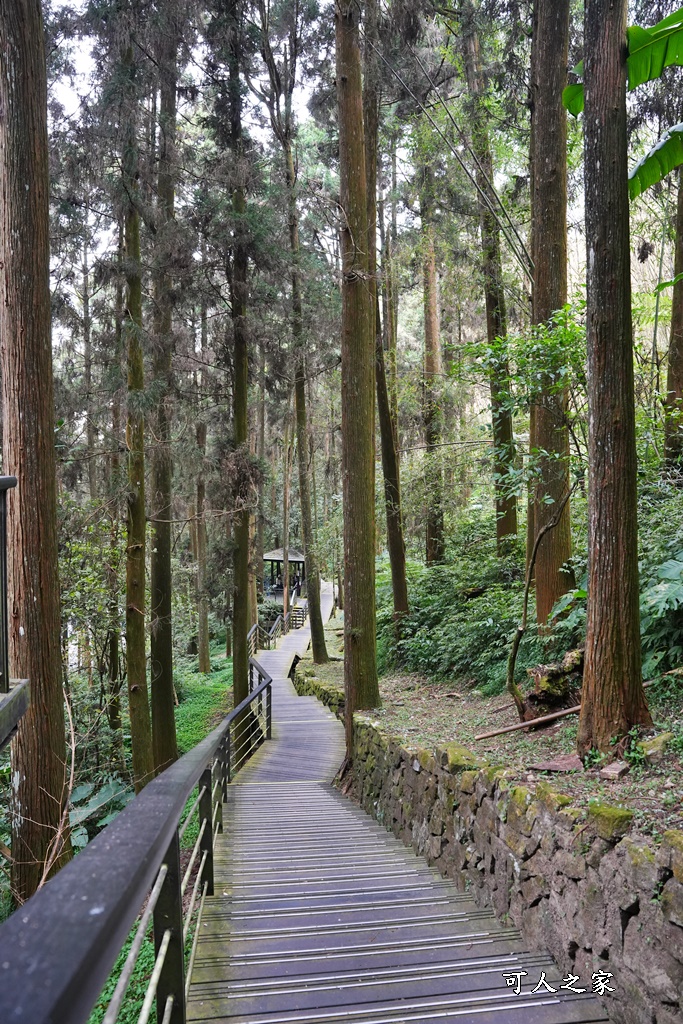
x=70, y=933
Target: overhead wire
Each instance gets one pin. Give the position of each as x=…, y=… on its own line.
x=481, y=192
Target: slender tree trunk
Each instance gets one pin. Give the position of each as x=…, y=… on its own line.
x=496, y=317
x=163, y=709
x=286, y=482
x=387, y=426
x=303, y=455
x=87, y=361
x=392, y=246
x=358, y=380
x=549, y=253
x=673, y=419
x=38, y=794
x=114, y=634
x=239, y=291
x=613, y=699
x=202, y=596
x=228, y=594
x=431, y=404
x=261, y=519
x=140, y=723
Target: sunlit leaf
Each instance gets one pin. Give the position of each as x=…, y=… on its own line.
x=660, y=161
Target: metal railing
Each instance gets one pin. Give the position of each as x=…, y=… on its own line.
x=58, y=949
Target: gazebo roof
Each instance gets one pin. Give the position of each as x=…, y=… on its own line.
x=278, y=556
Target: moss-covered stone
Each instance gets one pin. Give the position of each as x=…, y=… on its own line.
x=468, y=781
x=655, y=748
x=670, y=854
x=550, y=799
x=456, y=758
x=610, y=822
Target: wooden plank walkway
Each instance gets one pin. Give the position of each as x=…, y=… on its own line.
x=320, y=916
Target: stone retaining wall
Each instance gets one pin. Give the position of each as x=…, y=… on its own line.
x=575, y=882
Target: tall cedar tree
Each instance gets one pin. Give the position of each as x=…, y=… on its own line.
x=673, y=410
x=388, y=428
x=549, y=253
x=238, y=299
x=39, y=751
x=496, y=315
x=163, y=705
x=136, y=525
x=358, y=379
x=613, y=699
x=279, y=99
x=431, y=402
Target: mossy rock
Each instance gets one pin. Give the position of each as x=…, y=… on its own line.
x=655, y=748
x=611, y=823
x=551, y=799
x=468, y=781
x=456, y=758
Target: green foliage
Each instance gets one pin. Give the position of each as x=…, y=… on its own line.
x=462, y=615
x=666, y=155
x=132, y=1004
x=650, y=50
x=203, y=699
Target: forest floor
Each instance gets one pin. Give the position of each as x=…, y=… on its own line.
x=425, y=714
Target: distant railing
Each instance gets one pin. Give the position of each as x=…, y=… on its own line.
x=58, y=949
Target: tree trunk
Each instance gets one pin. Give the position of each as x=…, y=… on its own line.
x=549, y=253
x=202, y=596
x=38, y=795
x=613, y=699
x=310, y=552
x=673, y=418
x=140, y=724
x=387, y=427
x=286, y=482
x=238, y=296
x=261, y=519
x=163, y=704
x=496, y=317
x=114, y=634
x=431, y=404
x=87, y=360
x=358, y=378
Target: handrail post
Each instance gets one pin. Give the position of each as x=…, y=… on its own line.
x=269, y=710
x=225, y=764
x=218, y=768
x=228, y=760
x=168, y=914
x=206, y=813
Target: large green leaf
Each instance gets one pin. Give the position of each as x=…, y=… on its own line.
x=650, y=50
x=660, y=161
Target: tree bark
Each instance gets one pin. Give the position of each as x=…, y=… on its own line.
x=673, y=409
x=387, y=427
x=612, y=699
x=163, y=710
x=303, y=455
x=431, y=408
x=238, y=297
x=39, y=767
x=204, y=657
x=549, y=253
x=136, y=660
x=87, y=358
x=496, y=316
x=358, y=378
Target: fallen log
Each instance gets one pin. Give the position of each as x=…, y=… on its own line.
x=538, y=721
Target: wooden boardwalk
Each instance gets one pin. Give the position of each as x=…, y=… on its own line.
x=320, y=916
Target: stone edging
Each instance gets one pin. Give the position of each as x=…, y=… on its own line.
x=574, y=882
